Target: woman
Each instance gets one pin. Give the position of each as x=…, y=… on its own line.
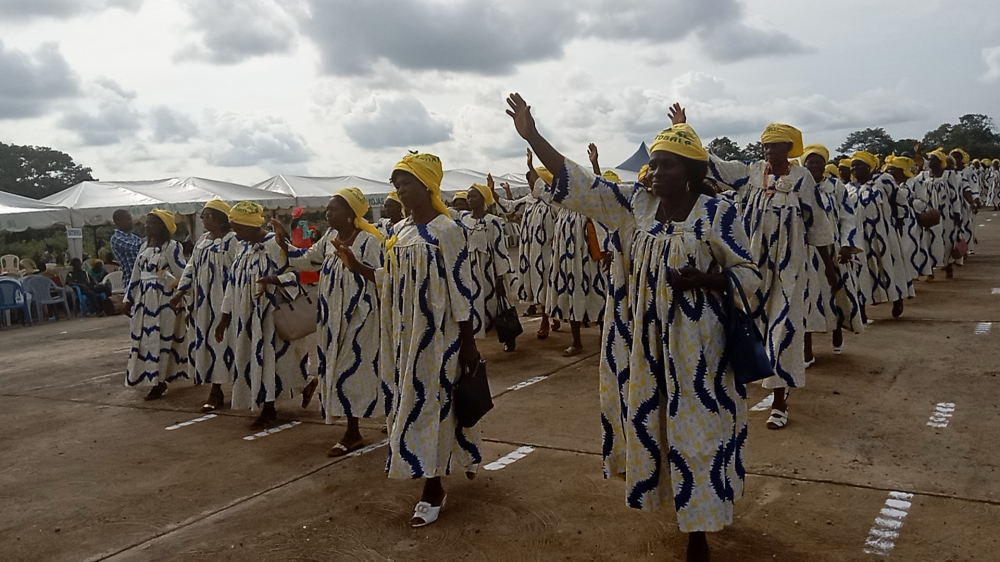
x=938, y=188
x=97, y=271
x=490, y=260
x=158, y=354
x=428, y=339
x=901, y=169
x=265, y=364
x=393, y=211
x=781, y=206
x=207, y=275
x=577, y=289
x=460, y=203
x=347, y=351
x=832, y=309
x=685, y=244
x=534, y=253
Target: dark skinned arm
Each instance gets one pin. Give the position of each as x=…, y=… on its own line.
x=520, y=112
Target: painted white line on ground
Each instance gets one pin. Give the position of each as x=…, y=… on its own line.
x=982, y=225
x=996, y=290
x=989, y=220
x=367, y=449
x=528, y=382
x=983, y=328
x=942, y=415
x=882, y=536
x=191, y=422
x=764, y=404
x=510, y=458
x=96, y=379
x=271, y=431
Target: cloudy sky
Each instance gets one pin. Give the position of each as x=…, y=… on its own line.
x=241, y=90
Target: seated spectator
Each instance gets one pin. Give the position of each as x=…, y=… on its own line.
x=47, y=257
x=96, y=294
x=97, y=271
x=54, y=276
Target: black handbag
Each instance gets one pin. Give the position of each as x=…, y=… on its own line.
x=744, y=343
x=506, y=322
x=472, y=397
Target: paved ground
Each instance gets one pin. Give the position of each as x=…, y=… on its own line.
x=88, y=471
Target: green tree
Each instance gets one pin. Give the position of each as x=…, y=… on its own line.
x=753, y=152
x=977, y=135
x=725, y=148
x=875, y=141
x=37, y=172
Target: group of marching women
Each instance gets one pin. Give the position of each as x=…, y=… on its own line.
x=401, y=304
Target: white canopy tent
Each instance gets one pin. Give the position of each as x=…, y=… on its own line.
x=315, y=192
x=19, y=213
x=462, y=180
x=93, y=203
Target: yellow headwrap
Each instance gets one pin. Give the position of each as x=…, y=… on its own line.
x=965, y=155
x=941, y=156
x=643, y=171
x=485, y=192
x=426, y=168
x=247, y=213
x=394, y=196
x=359, y=204
x=168, y=219
x=545, y=174
x=901, y=162
x=867, y=158
x=832, y=171
x=460, y=195
x=976, y=161
x=611, y=176
x=816, y=149
x=779, y=132
x=218, y=205
x=680, y=140
x=987, y=162
x=844, y=163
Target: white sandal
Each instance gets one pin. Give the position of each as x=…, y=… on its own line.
x=571, y=351
x=810, y=362
x=838, y=349
x=778, y=419
x=427, y=513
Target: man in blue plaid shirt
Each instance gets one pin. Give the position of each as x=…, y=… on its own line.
x=125, y=244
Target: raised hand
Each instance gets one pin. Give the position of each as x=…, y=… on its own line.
x=506, y=188
x=280, y=234
x=520, y=112
x=531, y=160
x=592, y=154
x=677, y=114
x=490, y=183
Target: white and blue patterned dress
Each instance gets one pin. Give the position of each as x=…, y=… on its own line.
x=534, y=254
x=614, y=370
x=846, y=301
x=685, y=419
x=884, y=275
x=969, y=179
x=910, y=232
x=266, y=365
x=207, y=276
x=991, y=187
x=490, y=262
x=819, y=314
x=576, y=290
x=158, y=353
x=426, y=289
x=781, y=216
x=942, y=194
x=347, y=347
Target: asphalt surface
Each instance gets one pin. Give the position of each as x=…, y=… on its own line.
x=90, y=472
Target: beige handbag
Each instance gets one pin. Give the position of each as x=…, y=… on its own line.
x=294, y=318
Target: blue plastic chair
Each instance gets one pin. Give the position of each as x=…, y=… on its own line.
x=82, y=300
x=13, y=297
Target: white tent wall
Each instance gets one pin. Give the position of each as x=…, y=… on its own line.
x=20, y=213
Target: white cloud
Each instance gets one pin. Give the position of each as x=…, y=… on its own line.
x=991, y=57
x=236, y=30
x=254, y=140
x=394, y=120
x=172, y=126
x=111, y=118
x=31, y=82
x=60, y=9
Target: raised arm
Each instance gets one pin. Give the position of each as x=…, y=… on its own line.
x=520, y=112
x=592, y=154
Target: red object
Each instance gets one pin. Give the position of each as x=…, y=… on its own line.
x=300, y=241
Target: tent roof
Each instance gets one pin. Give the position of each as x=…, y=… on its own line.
x=317, y=191
x=93, y=202
x=637, y=160
x=18, y=213
x=462, y=179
